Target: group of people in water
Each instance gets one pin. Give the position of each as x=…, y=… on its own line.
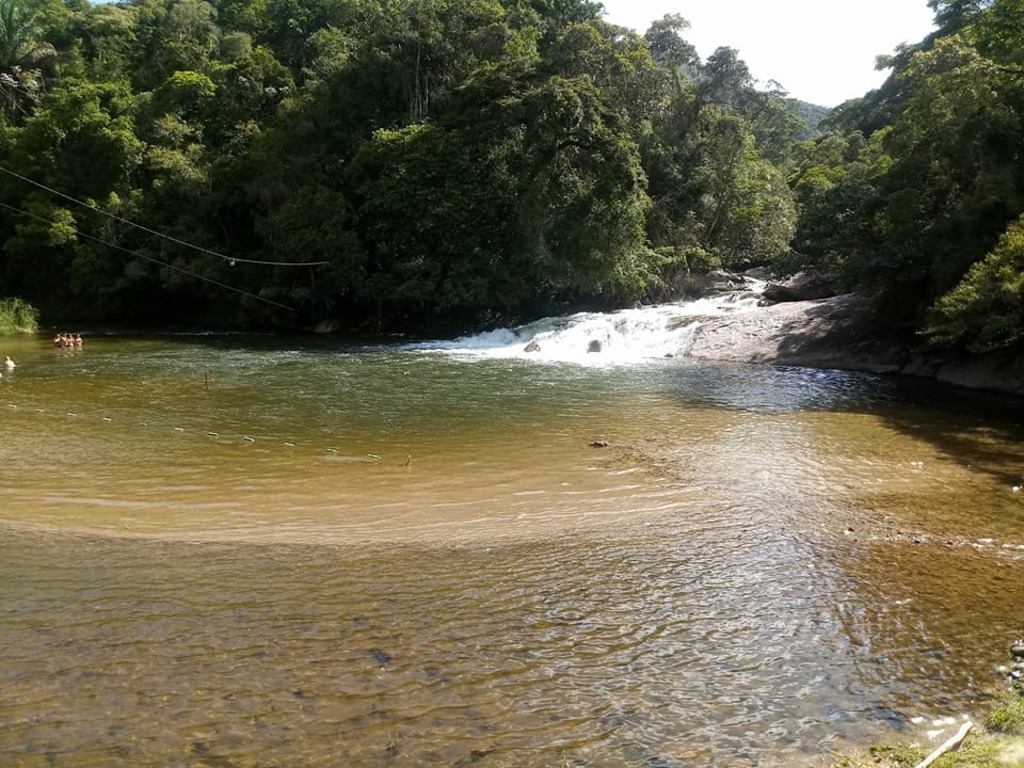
x=61, y=341
x=68, y=340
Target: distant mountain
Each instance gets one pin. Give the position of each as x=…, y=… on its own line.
x=812, y=114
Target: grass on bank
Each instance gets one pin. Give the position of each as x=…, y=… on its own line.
x=17, y=316
x=998, y=744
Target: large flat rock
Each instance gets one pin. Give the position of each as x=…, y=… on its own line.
x=831, y=332
x=839, y=332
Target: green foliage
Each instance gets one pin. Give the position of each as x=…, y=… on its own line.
x=898, y=754
x=986, y=309
x=17, y=316
x=19, y=27
x=543, y=196
x=976, y=754
x=1008, y=718
x=445, y=162
x=809, y=115
x=668, y=47
x=914, y=204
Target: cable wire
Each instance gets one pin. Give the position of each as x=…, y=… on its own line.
x=151, y=258
x=115, y=217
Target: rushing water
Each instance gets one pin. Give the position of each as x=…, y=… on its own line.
x=254, y=551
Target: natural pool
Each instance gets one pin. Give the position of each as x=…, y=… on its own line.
x=255, y=551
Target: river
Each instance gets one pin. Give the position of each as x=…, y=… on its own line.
x=228, y=550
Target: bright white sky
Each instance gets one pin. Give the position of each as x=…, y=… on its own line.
x=821, y=51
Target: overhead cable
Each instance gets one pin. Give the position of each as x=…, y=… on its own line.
x=152, y=259
x=230, y=259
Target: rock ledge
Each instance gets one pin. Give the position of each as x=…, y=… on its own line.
x=839, y=332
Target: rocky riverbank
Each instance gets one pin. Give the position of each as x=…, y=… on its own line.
x=998, y=742
x=839, y=332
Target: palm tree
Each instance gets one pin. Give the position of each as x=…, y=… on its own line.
x=18, y=31
x=21, y=52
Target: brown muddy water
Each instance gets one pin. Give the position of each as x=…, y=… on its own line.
x=234, y=551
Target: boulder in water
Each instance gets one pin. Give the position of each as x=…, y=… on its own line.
x=594, y=346
x=799, y=287
x=533, y=346
x=717, y=281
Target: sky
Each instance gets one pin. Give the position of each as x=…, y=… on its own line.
x=821, y=51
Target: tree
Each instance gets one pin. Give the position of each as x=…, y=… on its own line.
x=538, y=196
x=669, y=49
x=985, y=310
x=22, y=54
x=944, y=180
x=19, y=30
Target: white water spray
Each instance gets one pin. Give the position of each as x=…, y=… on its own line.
x=627, y=336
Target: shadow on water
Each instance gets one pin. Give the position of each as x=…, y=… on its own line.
x=972, y=427
x=978, y=429
x=982, y=430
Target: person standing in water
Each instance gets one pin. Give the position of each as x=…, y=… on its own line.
x=8, y=363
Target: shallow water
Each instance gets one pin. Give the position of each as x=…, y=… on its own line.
x=246, y=551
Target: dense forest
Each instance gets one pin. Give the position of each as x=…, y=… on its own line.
x=385, y=165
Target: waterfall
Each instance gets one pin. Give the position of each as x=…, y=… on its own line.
x=627, y=336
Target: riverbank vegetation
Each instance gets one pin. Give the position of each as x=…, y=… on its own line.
x=998, y=744
x=16, y=316
x=462, y=163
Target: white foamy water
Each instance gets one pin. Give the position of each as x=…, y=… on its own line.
x=628, y=336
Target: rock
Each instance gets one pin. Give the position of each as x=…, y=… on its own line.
x=717, y=281
x=533, y=346
x=594, y=346
x=799, y=287
x=827, y=333
x=1017, y=649
x=839, y=332
x=599, y=444
x=774, y=293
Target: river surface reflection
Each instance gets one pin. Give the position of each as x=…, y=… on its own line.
x=227, y=551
